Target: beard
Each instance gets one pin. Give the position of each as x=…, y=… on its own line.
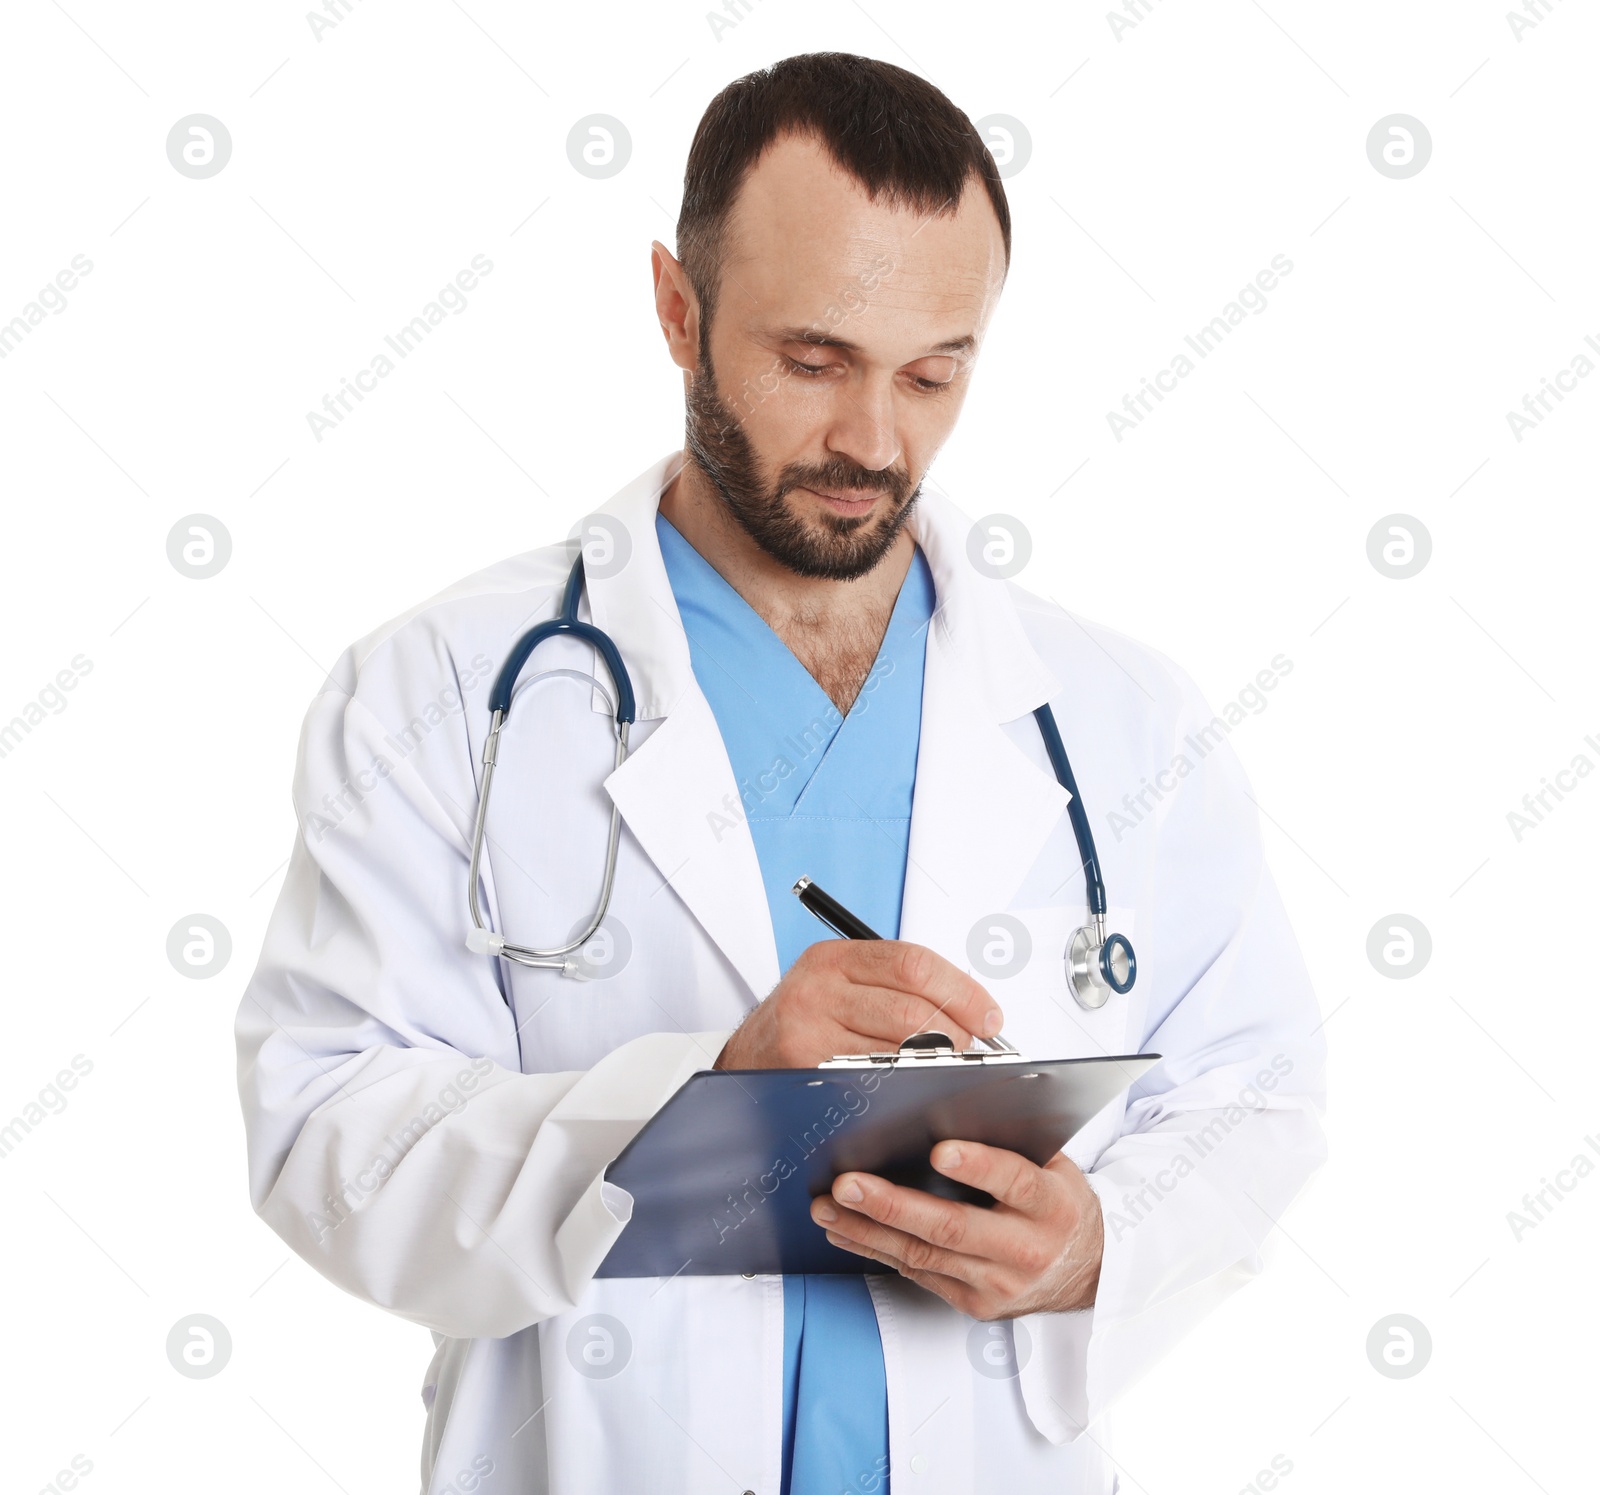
x=834, y=547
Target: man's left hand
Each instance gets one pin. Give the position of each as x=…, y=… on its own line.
x=1036, y=1251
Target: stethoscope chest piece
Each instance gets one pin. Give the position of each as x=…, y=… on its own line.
x=1099, y=964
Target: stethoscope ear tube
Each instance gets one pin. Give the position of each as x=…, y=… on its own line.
x=505, y=682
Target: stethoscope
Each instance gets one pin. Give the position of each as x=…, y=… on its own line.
x=1097, y=963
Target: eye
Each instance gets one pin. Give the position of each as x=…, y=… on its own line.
x=815, y=370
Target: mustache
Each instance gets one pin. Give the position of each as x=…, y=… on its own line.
x=864, y=482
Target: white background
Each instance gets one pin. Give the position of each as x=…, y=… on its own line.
x=1167, y=167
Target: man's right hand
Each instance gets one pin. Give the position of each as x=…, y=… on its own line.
x=857, y=996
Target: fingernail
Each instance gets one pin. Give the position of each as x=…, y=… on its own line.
x=823, y=1212
x=991, y=1023
x=849, y=1191
x=949, y=1157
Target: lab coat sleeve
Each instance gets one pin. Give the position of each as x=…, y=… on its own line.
x=1219, y=1137
x=393, y=1141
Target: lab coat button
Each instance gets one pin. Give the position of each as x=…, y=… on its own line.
x=748, y=1277
x=919, y=1463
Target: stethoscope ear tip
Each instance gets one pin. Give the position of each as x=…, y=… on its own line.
x=484, y=941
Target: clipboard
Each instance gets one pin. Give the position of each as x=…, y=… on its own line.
x=723, y=1175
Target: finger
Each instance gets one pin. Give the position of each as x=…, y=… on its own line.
x=915, y=1251
x=881, y=1241
x=939, y=1225
x=970, y=1283
x=884, y=1017
x=1012, y=1179
x=955, y=1292
x=899, y=966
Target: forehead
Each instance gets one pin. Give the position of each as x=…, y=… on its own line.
x=803, y=232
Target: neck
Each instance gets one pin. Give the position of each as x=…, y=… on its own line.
x=834, y=628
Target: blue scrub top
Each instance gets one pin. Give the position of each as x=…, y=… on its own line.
x=829, y=797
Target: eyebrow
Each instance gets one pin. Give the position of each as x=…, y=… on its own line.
x=823, y=340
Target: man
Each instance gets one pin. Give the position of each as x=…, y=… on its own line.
x=830, y=681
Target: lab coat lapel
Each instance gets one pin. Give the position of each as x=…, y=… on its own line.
x=678, y=797
x=676, y=791
x=983, y=811
x=981, y=815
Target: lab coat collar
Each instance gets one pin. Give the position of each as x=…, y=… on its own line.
x=634, y=603
x=982, y=810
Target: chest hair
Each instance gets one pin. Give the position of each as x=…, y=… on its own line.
x=838, y=652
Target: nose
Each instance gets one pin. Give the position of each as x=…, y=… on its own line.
x=862, y=428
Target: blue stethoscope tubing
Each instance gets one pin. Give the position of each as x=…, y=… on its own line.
x=1097, y=963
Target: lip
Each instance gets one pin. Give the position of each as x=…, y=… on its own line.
x=843, y=504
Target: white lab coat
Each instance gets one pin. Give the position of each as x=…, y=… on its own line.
x=428, y=1127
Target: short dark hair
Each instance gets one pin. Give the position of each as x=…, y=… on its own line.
x=894, y=132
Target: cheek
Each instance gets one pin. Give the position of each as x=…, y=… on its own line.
x=778, y=414
x=924, y=423
x=795, y=419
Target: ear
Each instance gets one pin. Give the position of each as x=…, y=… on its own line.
x=677, y=308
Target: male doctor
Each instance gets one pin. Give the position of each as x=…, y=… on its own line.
x=831, y=681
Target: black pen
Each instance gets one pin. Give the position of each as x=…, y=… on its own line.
x=832, y=913
x=841, y=921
